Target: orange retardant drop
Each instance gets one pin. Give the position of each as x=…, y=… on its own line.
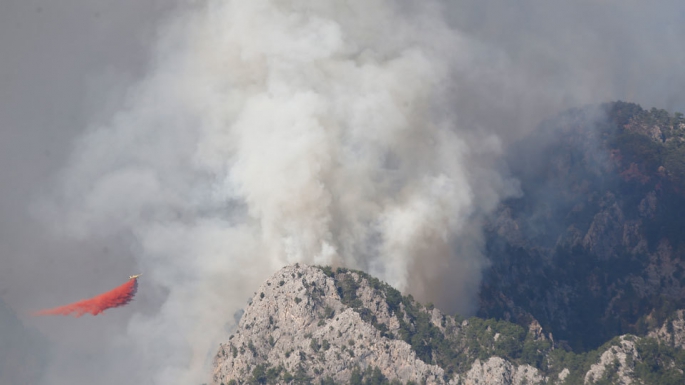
x=116, y=297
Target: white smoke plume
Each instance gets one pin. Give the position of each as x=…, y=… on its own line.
x=270, y=132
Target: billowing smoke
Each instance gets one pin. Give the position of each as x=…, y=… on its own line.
x=275, y=132
x=355, y=133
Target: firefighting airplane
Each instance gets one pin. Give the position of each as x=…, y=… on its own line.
x=134, y=276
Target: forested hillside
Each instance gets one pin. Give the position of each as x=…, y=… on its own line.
x=594, y=247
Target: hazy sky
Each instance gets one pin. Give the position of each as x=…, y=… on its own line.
x=62, y=64
x=144, y=127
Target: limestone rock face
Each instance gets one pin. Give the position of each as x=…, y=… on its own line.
x=297, y=320
x=497, y=371
x=624, y=355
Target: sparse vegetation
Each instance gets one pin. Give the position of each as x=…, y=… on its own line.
x=369, y=376
x=252, y=348
x=262, y=374
x=328, y=312
x=314, y=344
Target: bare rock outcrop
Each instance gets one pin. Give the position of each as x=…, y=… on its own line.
x=621, y=359
x=298, y=323
x=497, y=371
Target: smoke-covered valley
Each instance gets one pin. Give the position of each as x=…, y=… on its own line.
x=208, y=144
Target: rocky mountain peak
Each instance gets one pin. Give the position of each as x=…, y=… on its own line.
x=316, y=325
x=307, y=322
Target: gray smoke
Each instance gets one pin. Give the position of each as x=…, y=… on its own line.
x=271, y=133
x=364, y=134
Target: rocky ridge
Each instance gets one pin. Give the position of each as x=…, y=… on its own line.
x=310, y=325
x=298, y=321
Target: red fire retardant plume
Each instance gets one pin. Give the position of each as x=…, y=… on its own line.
x=116, y=297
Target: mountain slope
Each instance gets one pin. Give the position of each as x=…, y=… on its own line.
x=311, y=325
x=594, y=247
